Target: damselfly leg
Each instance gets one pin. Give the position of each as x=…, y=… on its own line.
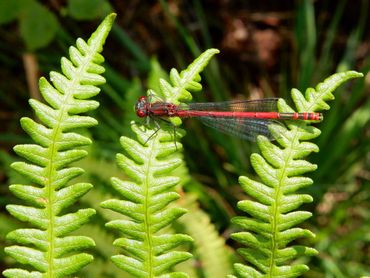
x=158, y=127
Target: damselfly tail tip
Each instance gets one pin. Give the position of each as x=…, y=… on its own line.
x=320, y=117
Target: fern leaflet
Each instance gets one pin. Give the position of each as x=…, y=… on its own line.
x=46, y=247
x=271, y=225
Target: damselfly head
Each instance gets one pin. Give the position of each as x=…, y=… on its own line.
x=141, y=107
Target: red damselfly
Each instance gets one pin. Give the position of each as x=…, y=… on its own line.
x=245, y=119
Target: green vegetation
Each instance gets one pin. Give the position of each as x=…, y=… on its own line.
x=253, y=226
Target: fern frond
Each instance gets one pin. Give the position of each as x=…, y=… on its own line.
x=187, y=81
x=144, y=203
x=146, y=197
x=270, y=226
x=46, y=247
x=209, y=247
x=184, y=83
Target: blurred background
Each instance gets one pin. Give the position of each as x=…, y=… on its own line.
x=267, y=47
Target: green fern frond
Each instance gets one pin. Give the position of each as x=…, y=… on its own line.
x=187, y=81
x=270, y=226
x=102, y=265
x=151, y=189
x=210, y=249
x=46, y=247
x=144, y=203
x=184, y=83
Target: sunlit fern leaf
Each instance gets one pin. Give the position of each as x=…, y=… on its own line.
x=213, y=257
x=145, y=199
x=187, y=81
x=151, y=189
x=271, y=224
x=46, y=247
x=184, y=83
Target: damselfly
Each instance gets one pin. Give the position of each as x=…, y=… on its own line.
x=245, y=119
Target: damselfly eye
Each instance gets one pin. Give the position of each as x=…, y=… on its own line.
x=140, y=113
x=141, y=107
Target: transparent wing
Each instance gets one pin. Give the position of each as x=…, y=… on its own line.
x=244, y=128
x=260, y=105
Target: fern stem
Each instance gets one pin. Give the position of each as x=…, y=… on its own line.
x=147, y=212
x=275, y=208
